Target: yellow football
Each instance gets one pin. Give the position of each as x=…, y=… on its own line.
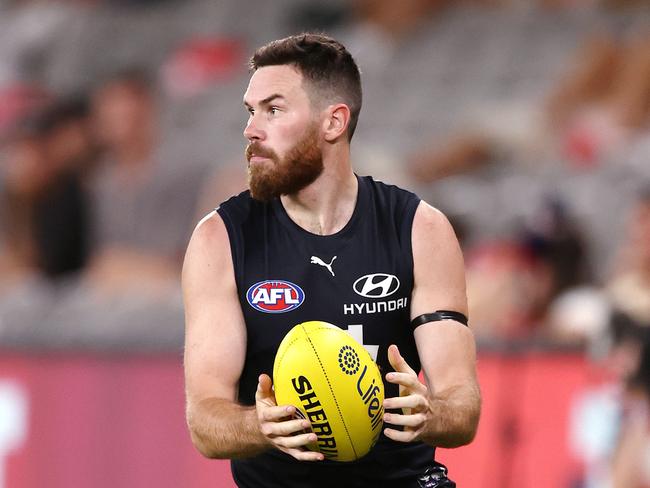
x=333, y=382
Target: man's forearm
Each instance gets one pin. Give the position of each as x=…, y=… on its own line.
x=454, y=419
x=223, y=429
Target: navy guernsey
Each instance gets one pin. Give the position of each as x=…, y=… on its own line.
x=359, y=279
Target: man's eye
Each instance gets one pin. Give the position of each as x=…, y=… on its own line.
x=274, y=110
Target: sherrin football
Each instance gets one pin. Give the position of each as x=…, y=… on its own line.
x=333, y=382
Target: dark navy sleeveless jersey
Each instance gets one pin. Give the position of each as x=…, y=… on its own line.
x=359, y=279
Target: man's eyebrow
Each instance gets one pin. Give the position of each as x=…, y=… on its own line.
x=267, y=100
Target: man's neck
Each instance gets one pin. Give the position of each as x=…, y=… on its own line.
x=325, y=206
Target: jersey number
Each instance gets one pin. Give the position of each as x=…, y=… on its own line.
x=356, y=331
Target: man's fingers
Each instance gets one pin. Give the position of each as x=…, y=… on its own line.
x=409, y=380
x=303, y=455
x=264, y=392
x=275, y=413
x=415, y=420
x=397, y=361
x=285, y=428
x=300, y=440
x=286, y=435
x=264, y=387
x=401, y=436
x=409, y=401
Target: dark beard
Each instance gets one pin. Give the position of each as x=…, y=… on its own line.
x=300, y=167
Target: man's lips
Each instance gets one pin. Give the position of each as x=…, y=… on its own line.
x=256, y=158
x=256, y=154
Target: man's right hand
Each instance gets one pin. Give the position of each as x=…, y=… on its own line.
x=278, y=425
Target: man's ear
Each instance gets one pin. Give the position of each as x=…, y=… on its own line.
x=336, y=122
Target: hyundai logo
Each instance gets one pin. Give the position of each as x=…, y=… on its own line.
x=377, y=285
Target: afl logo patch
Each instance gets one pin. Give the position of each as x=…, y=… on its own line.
x=377, y=285
x=272, y=296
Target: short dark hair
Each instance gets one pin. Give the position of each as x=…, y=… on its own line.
x=324, y=62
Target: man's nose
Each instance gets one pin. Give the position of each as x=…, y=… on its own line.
x=252, y=131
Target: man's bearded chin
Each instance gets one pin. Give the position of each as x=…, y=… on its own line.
x=298, y=169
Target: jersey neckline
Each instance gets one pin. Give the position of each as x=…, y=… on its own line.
x=362, y=198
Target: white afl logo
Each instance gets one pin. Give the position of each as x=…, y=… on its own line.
x=377, y=285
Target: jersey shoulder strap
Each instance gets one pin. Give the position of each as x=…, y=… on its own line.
x=242, y=214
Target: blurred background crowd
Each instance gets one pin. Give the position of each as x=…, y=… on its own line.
x=526, y=121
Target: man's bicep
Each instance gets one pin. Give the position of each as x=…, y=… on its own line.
x=215, y=334
x=446, y=348
x=438, y=267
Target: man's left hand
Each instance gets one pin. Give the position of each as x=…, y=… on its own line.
x=413, y=400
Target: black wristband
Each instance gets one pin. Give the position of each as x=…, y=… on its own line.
x=437, y=316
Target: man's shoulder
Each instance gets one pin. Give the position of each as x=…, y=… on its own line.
x=390, y=198
x=383, y=186
x=239, y=207
x=244, y=217
x=240, y=200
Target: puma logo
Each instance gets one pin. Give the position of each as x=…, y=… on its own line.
x=320, y=262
